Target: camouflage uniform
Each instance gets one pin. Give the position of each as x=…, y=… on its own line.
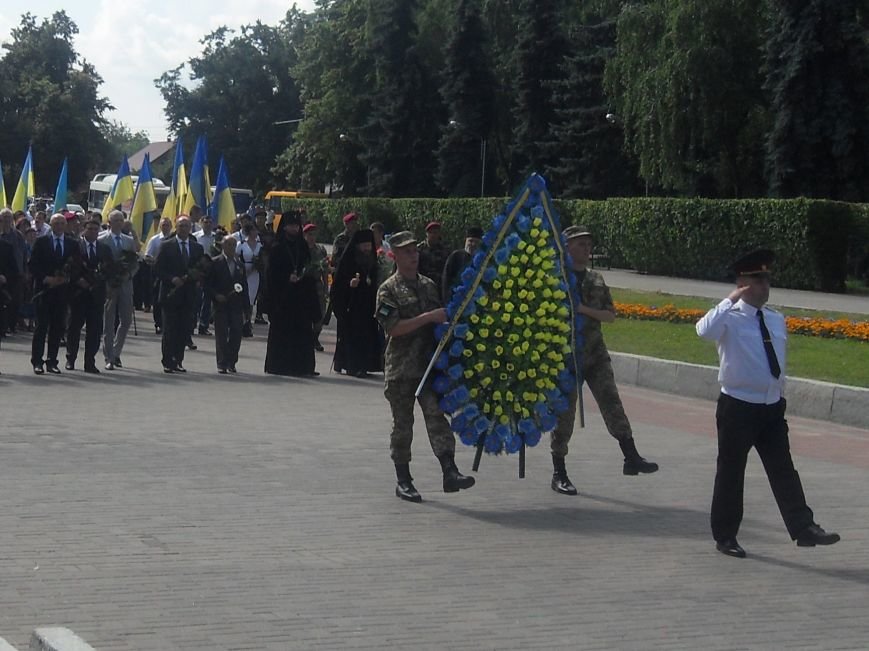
x=405, y=363
x=597, y=371
x=432, y=260
x=338, y=246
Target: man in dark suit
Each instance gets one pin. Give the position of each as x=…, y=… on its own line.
x=88, y=299
x=226, y=286
x=179, y=266
x=54, y=262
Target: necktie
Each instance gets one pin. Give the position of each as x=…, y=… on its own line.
x=774, y=368
x=91, y=252
x=184, y=251
x=58, y=247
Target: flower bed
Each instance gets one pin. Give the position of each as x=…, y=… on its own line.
x=816, y=327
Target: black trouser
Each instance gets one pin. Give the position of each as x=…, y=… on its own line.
x=50, y=321
x=228, y=323
x=176, y=331
x=742, y=425
x=142, y=287
x=158, y=306
x=85, y=311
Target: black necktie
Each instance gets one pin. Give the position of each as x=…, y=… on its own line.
x=91, y=252
x=774, y=368
x=58, y=248
x=184, y=251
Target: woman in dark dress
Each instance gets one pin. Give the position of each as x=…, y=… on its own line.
x=292, y=300
x=354, y=294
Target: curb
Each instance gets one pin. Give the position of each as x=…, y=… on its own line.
x=807, y=398
x=54, y=638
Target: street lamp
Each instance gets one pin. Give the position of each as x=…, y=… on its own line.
x=296, y=121
x=455, y=124
x=343, y=137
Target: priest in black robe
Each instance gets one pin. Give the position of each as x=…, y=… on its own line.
x=358, y=350
x=293, y=304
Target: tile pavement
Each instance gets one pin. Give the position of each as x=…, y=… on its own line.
x=153, y=513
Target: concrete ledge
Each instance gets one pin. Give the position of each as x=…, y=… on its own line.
x=807, y=398
x=56, y=638
x=5, y=646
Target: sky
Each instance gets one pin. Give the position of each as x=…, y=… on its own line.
x=129, y=48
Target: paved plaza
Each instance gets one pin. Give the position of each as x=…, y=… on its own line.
x=158, y=513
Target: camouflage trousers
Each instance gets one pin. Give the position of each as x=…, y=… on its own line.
x=399, y=394
x=598, y=374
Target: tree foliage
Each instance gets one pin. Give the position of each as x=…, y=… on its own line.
x=49, y=97
x=818, y=78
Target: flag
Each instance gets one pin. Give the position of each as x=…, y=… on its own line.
x=145, y=201
x=60, y=193
x=122, y=190
x=199, y=188
x=222, y=210
x=26, y=186
x=178, y=187
x=3, y=202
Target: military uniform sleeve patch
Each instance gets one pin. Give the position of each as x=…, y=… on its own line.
x=386, y=310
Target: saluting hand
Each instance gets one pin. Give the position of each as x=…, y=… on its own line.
x=354, y=282
x=738, y=293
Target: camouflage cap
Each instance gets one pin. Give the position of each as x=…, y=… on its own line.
x=576, y=231
x=401, y=238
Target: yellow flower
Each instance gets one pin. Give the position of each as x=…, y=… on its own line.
x=506, y=294
x=510, y=366
x=521, y=375
x=509, y=307
x=522, y=244
x=496, y=284
x=468, y=374
x=479, y=366
x=504, y=420
x=499, y=334
x=540, y=384
x=523, y=308
x=502, y=270
x=483, y=300
x=532, y=373
x=495, y=365
x=467, y=352
x=499, y=350
x=484, y=333
x=486, y=381
x=487, y=407
x=481, y=347
x=469, y=336
x=537, y=284
x=474, y=392
x=563, y=312
x=489, y=319
x=530, y=248
x=514, y=272
x=534, y=233
x=508, y=283
x=474, y=319
x=496, y=396
x=523, y=259
x=517, y=351
x=505, y=317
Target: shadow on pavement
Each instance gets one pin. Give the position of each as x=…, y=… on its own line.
x=854, y=576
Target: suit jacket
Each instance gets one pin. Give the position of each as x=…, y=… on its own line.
x=128, y=243
x=220, y=281
x=170, y=264
x=44, y=261
x=92, y=270
x=9, y=269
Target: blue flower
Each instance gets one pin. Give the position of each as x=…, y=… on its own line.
x=458, y=423
x=512, y=240
x=456, y=371
x=441, y=384
x=560, y=405
x=513, y=444
x=471, y=412
x=503, y=432
x=468, y=276
x=479, y=256
x=469, y=437
x=442, y=361
x=537, y=211
x=457, y=349
x=523, y=224
x=440, y=330
x=461, y=330
x=548, y=422
x=532, y=438
x=461, y=394
x=502, y=255
x=493, y=444
x=537, y=183
x=482, y=425
x=527, y=426
x=490, y=274
x=498, y=222
x=447, y=404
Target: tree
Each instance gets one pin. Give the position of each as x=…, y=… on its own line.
x=818, y=77
x=49, y=97
x=586, y=145
x=468, y=92
x=400, y=133
x=540, y=55
x=123, y=141
x=243, y=87
x=685, y=83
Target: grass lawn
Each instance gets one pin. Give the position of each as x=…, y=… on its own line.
x=832, y=360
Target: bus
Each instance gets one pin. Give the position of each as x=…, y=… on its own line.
x=274, y=200
x=102, y=185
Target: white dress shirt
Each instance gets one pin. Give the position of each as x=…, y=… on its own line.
x=154, y=243
x=744, y=371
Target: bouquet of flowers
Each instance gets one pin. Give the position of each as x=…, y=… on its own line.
x=116, y=272
x=69, y=269
x=506, y=361
x=194, y=274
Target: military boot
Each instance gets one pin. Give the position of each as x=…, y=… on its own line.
x=634, y=463
x=405, y=488
x=454, y=481
x=560, y=481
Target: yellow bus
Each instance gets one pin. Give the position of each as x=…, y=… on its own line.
x=274, y=201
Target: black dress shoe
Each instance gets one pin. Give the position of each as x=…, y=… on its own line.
x=205, y=332
x=110, y=366
x=729, y=547
x=166, y=369
x=637, y=465
x=53, y=369
x=222, y=371
x=92, y=369
x=158, y=330
x=407, y=491
x=179, y=369
x=231, y=369
x=39, y=370
x=562, y=484
x=117, y=363
x=815, y=535
x=69, y=366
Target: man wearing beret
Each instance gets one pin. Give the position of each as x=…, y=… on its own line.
x=351, y=225
x=597, y=371
x=751, y=340
x=408, y=308
x=433, y=254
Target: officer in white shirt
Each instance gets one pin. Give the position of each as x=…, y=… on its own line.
x=751, y=342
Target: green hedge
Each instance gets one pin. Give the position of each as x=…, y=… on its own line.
x=691, y=238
